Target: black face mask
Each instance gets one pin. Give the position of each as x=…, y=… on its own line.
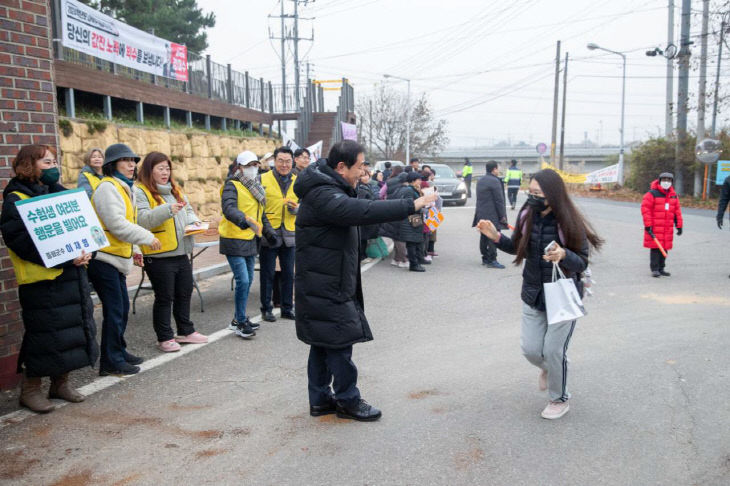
x=536, y=202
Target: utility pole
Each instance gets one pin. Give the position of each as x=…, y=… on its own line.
x=723, y=26
x=370, y=135
x=296, y=53
x=562, y=122
x=702, y=92
x=682, y=96
x=555, y=106
x=283, y=38
x=668, y=125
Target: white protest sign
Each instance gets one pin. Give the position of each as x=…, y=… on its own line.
x=315, y=151
x=288, y=142
x=62, y=225
x=602, y=176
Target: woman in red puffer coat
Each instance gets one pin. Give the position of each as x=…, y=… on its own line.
x=661, y=212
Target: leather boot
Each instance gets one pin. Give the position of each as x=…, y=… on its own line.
x=31, y=396
x=61, y=389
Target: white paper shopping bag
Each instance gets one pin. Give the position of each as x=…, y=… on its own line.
x=562, y=301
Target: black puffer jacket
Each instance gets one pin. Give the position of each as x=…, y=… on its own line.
x=329, y=301
x=538, y=271
x=391, y=229
x=407, y=231
x=58, y=315
x=490, y=201
x=369, y=231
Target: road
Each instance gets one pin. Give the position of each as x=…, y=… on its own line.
x=649, y=377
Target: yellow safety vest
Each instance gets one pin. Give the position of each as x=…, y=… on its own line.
x=94, y=180
x=249, y=206
x=116, y=246
x=28, y=272
x=276, y=208
x=165, y=232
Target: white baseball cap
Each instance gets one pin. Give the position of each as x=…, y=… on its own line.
x=246, y=157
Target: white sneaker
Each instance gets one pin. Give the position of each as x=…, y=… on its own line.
x=366, y=261
x=428, y=258
x=404, y=265
x=394, y=263
x=555, y=410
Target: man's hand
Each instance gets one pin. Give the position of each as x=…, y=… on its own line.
x=424, y=201
x=555, y=254
x=292, y=204
x=488, y=229
x=83, y=259
x=255, y=226
x=155, y=245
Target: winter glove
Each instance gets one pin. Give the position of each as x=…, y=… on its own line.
x=679, y=231
x=719, y=223
x=647, y=229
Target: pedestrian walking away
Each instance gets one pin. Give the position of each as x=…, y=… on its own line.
x=490, y=206
x=58, y=315
x=724, y=201
x=330, y=313
x=467, y=172
x=113, y=201
x=661, y=212
x=514, y=181
x=163, y=209
x=548, y=219
x=243, y=200
x=282, y=205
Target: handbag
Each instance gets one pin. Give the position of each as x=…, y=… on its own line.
x=377, y=248
x=416, y=220
x=562, y=300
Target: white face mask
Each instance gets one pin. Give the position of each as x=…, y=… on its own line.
x=665, y=185
x=250, y=172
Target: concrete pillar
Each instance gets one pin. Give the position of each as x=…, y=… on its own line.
x=167, y=117
x=108, y=107
x=140, y=112
x=207, y=122
x=70, y=103
x=189, y=118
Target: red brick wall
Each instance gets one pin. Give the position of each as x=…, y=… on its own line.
x=27, y=115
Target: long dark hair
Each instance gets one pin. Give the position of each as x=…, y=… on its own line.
x=572, y=223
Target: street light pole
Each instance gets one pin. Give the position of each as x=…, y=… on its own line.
x=408, y=115
x=593, y=47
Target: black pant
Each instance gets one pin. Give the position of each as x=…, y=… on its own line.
x=267, y=264
x=657, y=260
x=415, y=253
x=467, y=181
x=172, y=281
x=488, y=249
x=334, y=366
x=363, y=249
x=512, y=195
x=111, y=287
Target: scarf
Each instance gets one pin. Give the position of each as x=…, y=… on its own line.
x=128, y=181
x=253, y=186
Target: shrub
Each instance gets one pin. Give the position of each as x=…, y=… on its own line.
x=65, y=127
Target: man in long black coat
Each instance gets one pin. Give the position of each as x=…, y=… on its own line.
x=330, y=313
x=722, y=204
x=490, y=206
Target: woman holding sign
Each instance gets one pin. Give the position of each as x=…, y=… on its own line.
x=113, y=201
x=58, y=314
x=164, y=210
x=549, y=229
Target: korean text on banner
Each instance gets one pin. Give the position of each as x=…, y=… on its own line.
x=723, y=171
x=566, y=176
x=349, y=131
x=603, y=176
x=91, y=32
x=61, y=225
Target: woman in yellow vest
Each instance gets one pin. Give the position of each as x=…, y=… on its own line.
x=58, y=315
x=113, y=202
x=163, y=209
x=243, y=224
x=90, y=175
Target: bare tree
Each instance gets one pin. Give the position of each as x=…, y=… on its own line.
x=388, y=125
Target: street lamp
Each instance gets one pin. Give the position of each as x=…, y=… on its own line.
x=592, y=46
x=408, y=115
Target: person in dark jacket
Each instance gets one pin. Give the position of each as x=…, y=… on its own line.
x=548, y=217
x=368, y=232
x=391, y=229
x=490, y=206
x=661, y=212
x=411, y=227
x=58, y=315
x=722, y=204
x=330, y=313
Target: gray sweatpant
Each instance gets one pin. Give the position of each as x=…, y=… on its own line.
x=546, y=347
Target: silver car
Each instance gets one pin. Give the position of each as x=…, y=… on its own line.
x=450, y=188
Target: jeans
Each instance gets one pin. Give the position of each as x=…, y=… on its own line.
x=512, y=195
x=488, y=249
x=111, y=287
x=172, y=281
x=267, y=261
x=656, y=260
x=334, y=366
x=242, y=268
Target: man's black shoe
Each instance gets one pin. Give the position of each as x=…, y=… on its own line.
x=288, y=315
x=424, y=262
x=326, y=409
x=133, y=360
x=656, y=274
x=664, y=274
x=416, y=268
x=125, y=369
x=254, y=325
x=269, y=316
x=361, y=411
x=245, y=330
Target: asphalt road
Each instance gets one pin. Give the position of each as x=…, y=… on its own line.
x=649, y=377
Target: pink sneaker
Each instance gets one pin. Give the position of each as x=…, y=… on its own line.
x=555, y=410
x=542, y=380
x=194, y=338
x=168, y=346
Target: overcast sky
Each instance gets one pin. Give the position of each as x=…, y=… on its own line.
x=486, y=65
